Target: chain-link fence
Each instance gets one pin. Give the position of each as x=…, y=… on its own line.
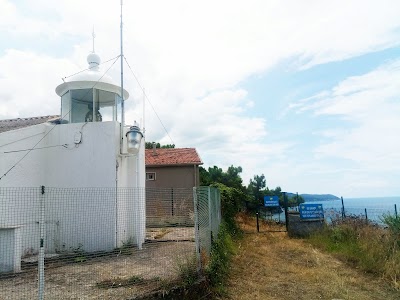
x=207, y=206
x=372, y=210
x=101, y=243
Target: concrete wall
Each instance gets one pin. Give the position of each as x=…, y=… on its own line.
x=30, y=171
x=174, y=176
x=84, y=211
x=91, y=163
x=131, y=208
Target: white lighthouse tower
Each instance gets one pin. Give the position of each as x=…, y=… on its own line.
x=107, y=152
x=91, y=165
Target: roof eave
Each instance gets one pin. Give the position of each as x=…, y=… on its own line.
x=174, y=165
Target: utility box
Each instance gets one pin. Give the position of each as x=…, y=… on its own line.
x=10, y=249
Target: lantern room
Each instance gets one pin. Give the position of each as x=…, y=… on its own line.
x=90, y=96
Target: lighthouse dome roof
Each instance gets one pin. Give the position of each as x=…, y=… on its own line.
x=91, y=78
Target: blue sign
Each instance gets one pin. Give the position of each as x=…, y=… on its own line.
x=271, y=201
x=311, y=211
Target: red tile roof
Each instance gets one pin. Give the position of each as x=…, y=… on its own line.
x=12, y=124
x=172, y=157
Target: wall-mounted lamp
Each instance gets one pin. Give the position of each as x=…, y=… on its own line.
x=133, y=137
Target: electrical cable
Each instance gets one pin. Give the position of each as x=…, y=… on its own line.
x=64, y=145
x=27, y=137
x=63, y=78
x=145, y=95
x=29, y=151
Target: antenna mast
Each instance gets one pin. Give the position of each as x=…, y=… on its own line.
x=122, y=80
x=93, y=36
x=144, y=111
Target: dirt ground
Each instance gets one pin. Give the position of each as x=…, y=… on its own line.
x=270, y=266
x=125, y=275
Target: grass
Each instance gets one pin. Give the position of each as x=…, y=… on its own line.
x=217, y=266
x=270, y=265
x=187, y=270
x=120, y=282
x=364, y=245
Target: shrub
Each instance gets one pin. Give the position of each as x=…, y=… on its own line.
x=222, y=249
x=392, y=265
x=231, y=204
x=372, y=248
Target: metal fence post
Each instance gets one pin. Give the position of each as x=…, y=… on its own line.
x=42, y=231
x=366, y=215
x=258, y=225
x=197, y=228
x=343, y=212
x=172, y=201
x=210, y=219
x=395, y=210
x=216, y=216
x=286, y=210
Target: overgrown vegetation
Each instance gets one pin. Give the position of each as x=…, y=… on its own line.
x=231, y=203
x=251, y=198
x=370, y=247
x=218, y=266
x=187, y=269
x=223, y=246
x=270, y=265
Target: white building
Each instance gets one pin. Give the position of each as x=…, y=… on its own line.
x=75, y=152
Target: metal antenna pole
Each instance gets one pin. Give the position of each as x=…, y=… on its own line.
x=93, y=35
x=144, y=111
x=122, y=79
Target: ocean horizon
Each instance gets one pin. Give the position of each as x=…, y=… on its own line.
x=372, y=208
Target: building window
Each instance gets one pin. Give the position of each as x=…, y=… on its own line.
x=151, y=176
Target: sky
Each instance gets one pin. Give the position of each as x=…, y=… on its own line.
x=305, y=92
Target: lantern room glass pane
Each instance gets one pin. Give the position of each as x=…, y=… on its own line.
x=106, y=102
x=81, y=105
x=65, y=108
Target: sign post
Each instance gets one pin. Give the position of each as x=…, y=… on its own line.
x=271, y=201
x=311, y=211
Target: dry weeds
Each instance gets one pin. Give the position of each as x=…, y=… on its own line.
x=269, y=265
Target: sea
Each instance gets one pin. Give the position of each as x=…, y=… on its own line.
x=371, y=209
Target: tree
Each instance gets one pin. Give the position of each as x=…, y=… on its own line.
x=149, y=145
x=295, y=200
x=255, y=187
x=230, y=178
x=233, y=178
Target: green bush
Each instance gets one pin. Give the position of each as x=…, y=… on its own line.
x=393, y=223
x=222, y=250
x=231, y=204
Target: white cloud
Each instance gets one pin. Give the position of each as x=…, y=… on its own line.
x=27, y=84
x=191, y=56
x=369, y=107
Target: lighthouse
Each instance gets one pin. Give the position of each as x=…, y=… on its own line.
x=91, y=165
